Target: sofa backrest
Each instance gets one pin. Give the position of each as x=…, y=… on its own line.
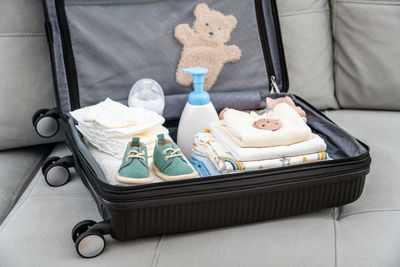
x=307, y=39
x=26, y=83
x=367, y=53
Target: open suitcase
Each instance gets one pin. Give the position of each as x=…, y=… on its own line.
x=99, y=48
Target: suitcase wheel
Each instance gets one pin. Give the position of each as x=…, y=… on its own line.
x=80, y=228
x=88, y=237
x=90, y=244
x=56, y=172
x=46, y=123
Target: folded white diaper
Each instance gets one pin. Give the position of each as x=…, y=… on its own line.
x=95, y=111
x=241, y=130
x=221, y=134
x=110, y=125
x=116, y=146
x=113, y=119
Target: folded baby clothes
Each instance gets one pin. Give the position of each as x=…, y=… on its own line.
x=220, y=131
x=204, y=166
x=110, y=125
x=233, y=165
x=207, y=145
x=292, y=129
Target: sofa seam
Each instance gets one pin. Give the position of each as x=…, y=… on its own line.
x=381, y=3
x=335, y=241
x=22, y=34
x=368, y=212
x=299, y=13
x=157, y=252
x=60, y=197
x=334, y=48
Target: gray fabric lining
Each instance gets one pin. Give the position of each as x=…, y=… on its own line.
x=62, y=85
x=113, y=48
x=238, y=100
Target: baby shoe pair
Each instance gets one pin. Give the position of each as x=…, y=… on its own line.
x=168, y=163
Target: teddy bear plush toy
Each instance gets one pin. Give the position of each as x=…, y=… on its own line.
x=204, y=44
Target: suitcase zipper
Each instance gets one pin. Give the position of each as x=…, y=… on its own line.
x=70, y=69
x=265, y=43
x=274, y=88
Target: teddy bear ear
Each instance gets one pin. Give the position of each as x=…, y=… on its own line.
x=231, y=20
x=200, y=9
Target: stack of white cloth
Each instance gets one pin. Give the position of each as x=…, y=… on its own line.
x=234, y=144
x=110, y=125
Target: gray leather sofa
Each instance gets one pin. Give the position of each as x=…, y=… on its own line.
x=343, y=57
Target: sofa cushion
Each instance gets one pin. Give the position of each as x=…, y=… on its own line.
x=21, y=16
x=26, y=83
x=41, y=224
x=17, y=167
x=368, y=239
x=367, y=228
x=380, y=130
x=307, y=39
x=367, y=36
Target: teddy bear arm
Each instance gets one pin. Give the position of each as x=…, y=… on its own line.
x=233, y=53
x=183, y=32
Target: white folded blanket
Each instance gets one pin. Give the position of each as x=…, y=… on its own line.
x=206, y=144
x=241, y=130
x=220, y=132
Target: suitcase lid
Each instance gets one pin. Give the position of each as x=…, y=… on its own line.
x=100, y=48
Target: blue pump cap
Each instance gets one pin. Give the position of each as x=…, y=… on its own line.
x=198, y=97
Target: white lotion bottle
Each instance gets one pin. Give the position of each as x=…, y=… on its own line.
x=198, y=112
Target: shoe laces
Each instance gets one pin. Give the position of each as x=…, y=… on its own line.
x=175, y=152
x=136, y=155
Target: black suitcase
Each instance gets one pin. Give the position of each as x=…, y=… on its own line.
x=96, y=45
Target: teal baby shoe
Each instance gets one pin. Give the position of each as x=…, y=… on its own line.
x=169, y=163
x=134, y=168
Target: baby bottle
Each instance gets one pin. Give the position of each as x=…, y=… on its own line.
x=148, y=94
